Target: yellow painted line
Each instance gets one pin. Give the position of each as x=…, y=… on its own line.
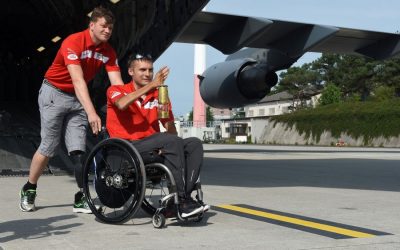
x=300, y=222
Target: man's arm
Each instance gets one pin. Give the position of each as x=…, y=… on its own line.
x=115, y=78
x=82, y=93
x=125, y=101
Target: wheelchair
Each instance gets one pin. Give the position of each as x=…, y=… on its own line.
x=117, y=181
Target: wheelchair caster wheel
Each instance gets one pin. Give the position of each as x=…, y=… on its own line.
x=158, y=220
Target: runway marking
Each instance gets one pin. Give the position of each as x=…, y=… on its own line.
x=312, y=225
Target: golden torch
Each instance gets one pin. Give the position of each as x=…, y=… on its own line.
x=163, y=102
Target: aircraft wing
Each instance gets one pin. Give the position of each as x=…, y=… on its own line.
x=229, y=33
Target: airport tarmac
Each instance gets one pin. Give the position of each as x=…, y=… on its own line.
x=262, y=197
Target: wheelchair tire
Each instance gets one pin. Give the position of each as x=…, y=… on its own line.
x=114, y=179
x=158, y=220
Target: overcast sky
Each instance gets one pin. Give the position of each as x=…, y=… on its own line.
x=376, y=15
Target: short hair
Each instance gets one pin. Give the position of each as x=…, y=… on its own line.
x=139, y=56
x=100, y=12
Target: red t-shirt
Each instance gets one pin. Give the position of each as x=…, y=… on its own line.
x=79, y=49
x=139, y=120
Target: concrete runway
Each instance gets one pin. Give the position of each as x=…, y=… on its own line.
x=287, y=198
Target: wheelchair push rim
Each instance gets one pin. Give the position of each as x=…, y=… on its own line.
x=114, y=180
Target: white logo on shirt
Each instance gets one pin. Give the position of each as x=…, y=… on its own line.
x=151, y=105
x=115, y=94
x=72, y=56
x=101, y=57
x=97, y=56
x=86, y=54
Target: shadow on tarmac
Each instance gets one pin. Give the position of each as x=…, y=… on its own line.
x=365, y=174
x=35, y=228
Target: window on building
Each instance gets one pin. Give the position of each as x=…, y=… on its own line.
x=272, y=111
x=251, y=112
x=261, y=112
x=237, y=129
x=226, y=130
x=285, y=109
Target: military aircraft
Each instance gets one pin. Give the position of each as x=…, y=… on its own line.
x=269, y=45
x=32, y=31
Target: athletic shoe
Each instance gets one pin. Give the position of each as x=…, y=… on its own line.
x=190, y=208
x=27, y=203
x=206, y=207
x=82, y=206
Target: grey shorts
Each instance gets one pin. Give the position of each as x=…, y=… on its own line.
x=60, y=114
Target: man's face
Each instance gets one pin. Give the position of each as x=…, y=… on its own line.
x=101, y=30
x=141, y=72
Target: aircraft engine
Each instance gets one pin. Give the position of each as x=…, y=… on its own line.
x=236, y=83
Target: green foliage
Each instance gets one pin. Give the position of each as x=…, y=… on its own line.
x=190, y=118
x=331, y=94
x=298, y=80
x=367, y=119
x=384, y=93
x=209, y=114
x=354, y=75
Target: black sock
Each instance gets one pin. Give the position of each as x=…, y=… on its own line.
x=78, y=196
x=28, y=186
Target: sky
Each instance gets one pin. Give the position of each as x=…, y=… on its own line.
x=374, y=15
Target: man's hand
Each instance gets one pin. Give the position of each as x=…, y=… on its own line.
x=95, y=123
x=161, y=76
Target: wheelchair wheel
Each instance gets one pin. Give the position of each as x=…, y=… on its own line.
x=157, y=187
x=114, y=180
x=158, y=220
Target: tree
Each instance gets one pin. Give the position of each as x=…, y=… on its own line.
x=209, y=114
x=388, y=73
x=331, y=94
x=190, y=118
x=295, y=79
x=383, y=93
x=355, y=76
x=352, y=74
x=298, y=81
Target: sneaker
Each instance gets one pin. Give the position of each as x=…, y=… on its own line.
x=27, y=203
x=206, y=207
x=82, y=206
x=190, y=207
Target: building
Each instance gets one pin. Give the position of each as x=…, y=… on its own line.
x=281, y=103
x=256, y=115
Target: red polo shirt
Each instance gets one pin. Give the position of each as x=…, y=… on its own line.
x=79, y=49
x=139, y=120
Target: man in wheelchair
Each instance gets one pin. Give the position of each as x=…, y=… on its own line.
x=132, y=114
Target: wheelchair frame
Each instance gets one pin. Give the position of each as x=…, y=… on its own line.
x=116, y=166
